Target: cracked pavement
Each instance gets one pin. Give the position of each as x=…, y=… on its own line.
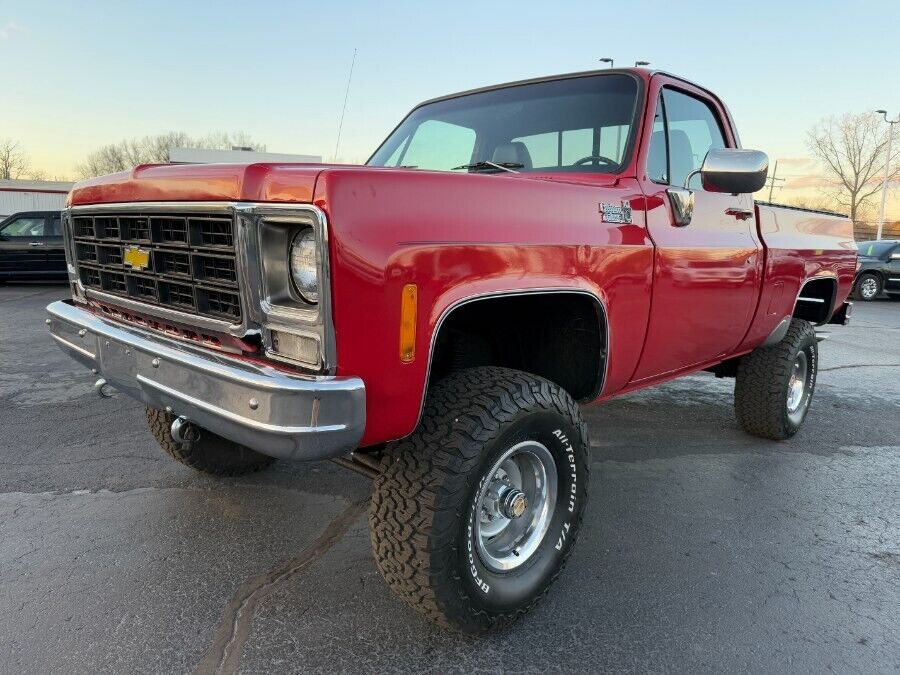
x=703, y=549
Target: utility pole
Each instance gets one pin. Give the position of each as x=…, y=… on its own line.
x=887, y=170
x=773, y=179
x=344, y=109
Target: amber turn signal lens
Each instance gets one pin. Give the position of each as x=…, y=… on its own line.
x=408, y=310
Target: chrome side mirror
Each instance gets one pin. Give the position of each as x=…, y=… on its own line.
x=735, y=171
x=895, y=256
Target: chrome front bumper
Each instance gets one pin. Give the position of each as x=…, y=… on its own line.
x=287, y=416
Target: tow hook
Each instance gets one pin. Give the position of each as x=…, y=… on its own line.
x=183, y=431
x=103, y=388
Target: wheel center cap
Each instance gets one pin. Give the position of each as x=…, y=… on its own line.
x=513, y=504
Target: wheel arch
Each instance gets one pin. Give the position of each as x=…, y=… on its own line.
x=454, y=308
x=816, y=299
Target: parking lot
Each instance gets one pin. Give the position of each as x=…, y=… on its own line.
x=703, y=548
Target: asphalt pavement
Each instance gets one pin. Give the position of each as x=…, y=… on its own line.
x=703, y=549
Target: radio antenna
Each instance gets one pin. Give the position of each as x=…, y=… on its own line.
x=344, y=109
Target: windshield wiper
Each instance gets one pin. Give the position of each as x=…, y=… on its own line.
x=481, y=166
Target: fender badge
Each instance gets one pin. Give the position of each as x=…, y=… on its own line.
x=615, y=214
x=136, y=258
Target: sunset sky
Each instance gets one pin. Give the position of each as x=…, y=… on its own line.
x=78, y=75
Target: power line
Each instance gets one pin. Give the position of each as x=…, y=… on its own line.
x=771, y=180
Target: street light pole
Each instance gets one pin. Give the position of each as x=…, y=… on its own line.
x=887, y=170
x=608, y=60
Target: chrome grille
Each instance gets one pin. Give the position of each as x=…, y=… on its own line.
x=192, y=266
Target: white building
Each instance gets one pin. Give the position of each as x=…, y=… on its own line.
x=235, y=156
x=32, y=195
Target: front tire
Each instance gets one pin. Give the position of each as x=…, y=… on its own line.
x=868, y=287
x=474, y=514
x=208, y=453
x=774, y=385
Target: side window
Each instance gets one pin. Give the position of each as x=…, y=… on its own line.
x=439, y=145
x=693, y=131
x=25, y=227
x=658, y=157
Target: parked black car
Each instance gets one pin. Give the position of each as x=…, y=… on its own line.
x=31, y=246
x=879, y=269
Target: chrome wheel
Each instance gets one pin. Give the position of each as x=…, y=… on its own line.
x=515, y=506
x=797, y=383
x=868, y=288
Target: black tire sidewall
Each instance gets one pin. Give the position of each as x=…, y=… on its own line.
x=502, y=592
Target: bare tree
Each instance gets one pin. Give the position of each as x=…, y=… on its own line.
x=13, y=160
x=125, y=155
x=853, y=149
x=817, y=203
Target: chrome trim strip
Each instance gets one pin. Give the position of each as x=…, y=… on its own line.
x=71, y=345
x=276, y=413
x=514, y=293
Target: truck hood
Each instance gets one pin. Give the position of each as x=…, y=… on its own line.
x=263, y=182
x=201, y=182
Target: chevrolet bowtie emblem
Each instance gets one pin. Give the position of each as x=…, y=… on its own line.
x=136, y=258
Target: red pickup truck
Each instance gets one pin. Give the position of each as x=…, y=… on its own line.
x=433, y=319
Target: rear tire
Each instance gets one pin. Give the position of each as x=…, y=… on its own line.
x=209, y=454
x=448, y=532
x=774, y=385
x=867, y=287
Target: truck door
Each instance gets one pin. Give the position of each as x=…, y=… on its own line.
x=892, y=269
x=22, y=244
x=707, y=271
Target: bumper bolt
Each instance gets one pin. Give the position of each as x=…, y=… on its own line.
x=47, y=321
x=155, y=363
x=82, y=333
x=254, y=404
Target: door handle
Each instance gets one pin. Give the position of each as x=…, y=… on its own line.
x=682, y=201
x=35, y=243
x=740, y=214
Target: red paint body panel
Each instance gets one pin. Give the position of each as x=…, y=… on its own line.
x=677, y=299
x=463, y=235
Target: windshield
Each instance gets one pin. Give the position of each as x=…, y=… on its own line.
x=875, y=249
x=576, y=124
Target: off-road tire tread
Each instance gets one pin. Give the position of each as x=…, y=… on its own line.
x=210, y=454
x=759, y=385
x=422, y=489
